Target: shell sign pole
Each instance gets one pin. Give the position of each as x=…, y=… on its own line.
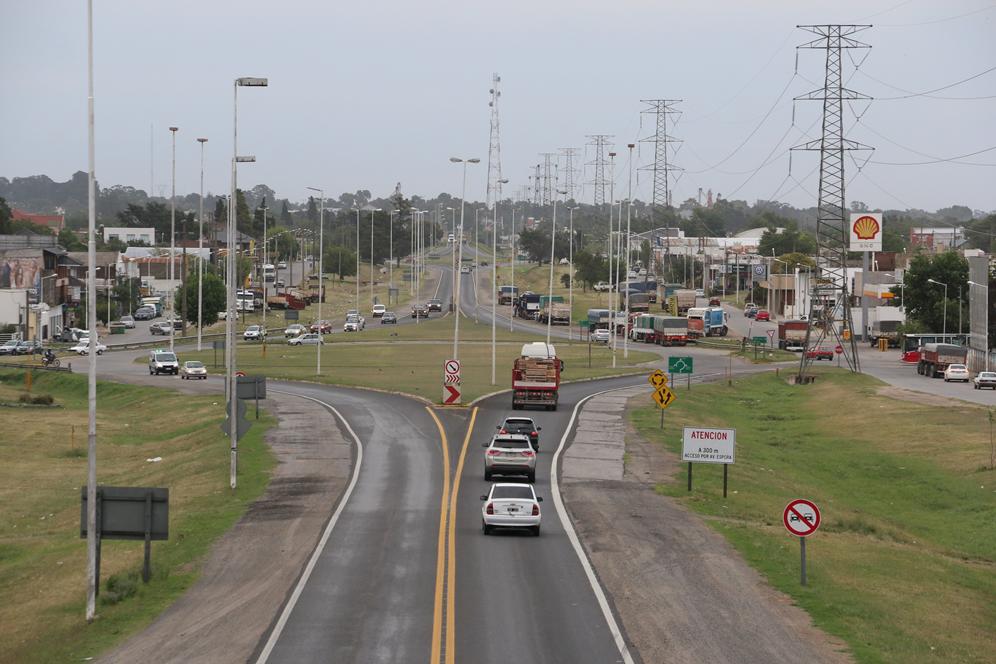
x=866, y=231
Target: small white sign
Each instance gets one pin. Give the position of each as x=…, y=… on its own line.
x=709, y=445
x=866, y=231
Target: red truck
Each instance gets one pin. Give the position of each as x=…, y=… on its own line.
x=792, y=334
x=536, y=376
x=935, y=358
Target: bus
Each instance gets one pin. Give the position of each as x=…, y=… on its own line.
x=245, y=300
x=269, y=273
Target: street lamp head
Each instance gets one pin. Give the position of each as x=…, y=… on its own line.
x=473, y=160
x=245, y=159
x=456, y=160
x=376, y=210
x=202, y=140
x=314, y=189
x=174, y=129
x=972, y=283
x=503, y=181
x=251, y=82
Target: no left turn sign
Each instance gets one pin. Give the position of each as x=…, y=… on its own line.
x=801, y=517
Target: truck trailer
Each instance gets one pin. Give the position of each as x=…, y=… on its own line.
x=935, y=358
x=536, y=376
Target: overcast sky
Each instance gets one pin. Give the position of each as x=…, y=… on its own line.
x=366, y=94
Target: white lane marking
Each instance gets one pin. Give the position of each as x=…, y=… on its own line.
x=596, y=587
x=271, y=642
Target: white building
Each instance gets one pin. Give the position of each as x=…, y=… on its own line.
x=127, y=234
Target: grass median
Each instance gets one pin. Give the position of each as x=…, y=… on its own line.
x=416, y=367
x=42, y=467
x=903, y=566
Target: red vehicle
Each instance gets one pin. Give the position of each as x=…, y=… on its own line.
x=820, y=354
x=762, y=315
x=536, y=377
x=325, y=327
x=935, y=358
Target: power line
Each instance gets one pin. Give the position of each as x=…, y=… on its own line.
x=938, y=161
x=929, y=93
x=938, y=20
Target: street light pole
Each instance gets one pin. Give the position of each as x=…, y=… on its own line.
x=356, y=299
x=321, y=277
x=200, y=250
x=172, y=241
x=91, y=314
x=944, y=333
x=570, y=280
x=459, y=249
x=614, y=274
x=390, y=254
x=629, y=248
x=373, y=214
x=985, y=340
x=494, y=278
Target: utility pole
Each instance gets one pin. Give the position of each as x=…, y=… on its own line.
x=600, y=143
x=613, y=274
x=629, y=247
x=91, y=316
x=829, y=302
x=172, y=243
x=200, y=250
x=661, y=167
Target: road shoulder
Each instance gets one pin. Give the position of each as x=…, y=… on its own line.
x=681, y=591
x=252, y=568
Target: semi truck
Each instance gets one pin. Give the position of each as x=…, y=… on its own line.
x=643, y=328
x=638, y=301
x=935, y=358
x=598, y=318
x=507, y=295
x=556, y=311
x=680, y=302
x=528, y=305
x=670, y=331
x=536, y=376
x=792, y=334
x=696, y=322
x=885, y=329
x=714, y=322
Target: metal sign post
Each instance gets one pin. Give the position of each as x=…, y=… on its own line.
x=701, y=445
x=662, y=393
x=681, y=365
x=801, y=517
x=128, y=513
x=451, y=382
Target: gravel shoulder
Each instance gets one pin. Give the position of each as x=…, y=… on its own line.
x=252, y=568
x=682, y=593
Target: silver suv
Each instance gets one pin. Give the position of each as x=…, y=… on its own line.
x=163, y=361
x=509, y=454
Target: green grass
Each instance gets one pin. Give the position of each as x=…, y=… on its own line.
x=42, y=466
x=903, y=567
x=417, y=368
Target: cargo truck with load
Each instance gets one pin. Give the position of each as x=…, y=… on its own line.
x=935, y=358
x=885, y=329
x=554, y=311
x=670, y=331
x=680, y=302
x=536, y=376
x=507, y=295
x=598, y=319
x=792, y=334
x=696, y=322
x=643, y=328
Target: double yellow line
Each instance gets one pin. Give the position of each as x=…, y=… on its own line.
x=446, y=547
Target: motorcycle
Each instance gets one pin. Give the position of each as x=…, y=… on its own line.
x=50, y=360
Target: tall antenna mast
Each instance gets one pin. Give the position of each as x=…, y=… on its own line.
x=830, y=315
x=494, y=146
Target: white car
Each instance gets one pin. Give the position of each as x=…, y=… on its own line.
x=83, y=347
x=128, y=322
x=353, y=324
x=465, y=269
x=985, y=379
x=511, y=506
x=294, y=330
x=163, y=361
x=601, y=336
x=282, y=265
x=254, y=333
x=193, y=369
x=957, y=372
x=309, y=339
x=378, y=310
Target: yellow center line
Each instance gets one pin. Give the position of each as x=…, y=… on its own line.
x=437, y=608
x=451, y=568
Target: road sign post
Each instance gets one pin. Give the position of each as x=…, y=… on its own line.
x=801, y=517
x=771, y=338
x=701, y=445
x=451, y=382
x=662, y=394
x=681, y=365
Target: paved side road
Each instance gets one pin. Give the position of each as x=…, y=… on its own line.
x=252, y=567
x=682, y=593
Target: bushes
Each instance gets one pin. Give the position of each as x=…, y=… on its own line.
x=120, y=587
x=36, y=399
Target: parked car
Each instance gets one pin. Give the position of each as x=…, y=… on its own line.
x=222, y=315
x=389, y=318
x=420, y=311
x=985, y=379
x=434, y=304
x=144, y=313
x=163, y=362
x=762, y=315
x=83, y=347
x=308, y=339
x=162, y=327
x=820, y=354
x=128, y=322
x=9, y=347
x=957, y=372
x=378, y=310
x=294, y=330
x=602, y=287
x=323, y=326
x=254, y=333
x=601, y=336
x=509, y=454
x=27, y=348
x=193, y=369
x=511, y=506
x=523, y=426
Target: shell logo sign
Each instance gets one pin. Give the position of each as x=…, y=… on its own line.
x=866, y=231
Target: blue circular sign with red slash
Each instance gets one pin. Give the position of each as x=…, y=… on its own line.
x=801, y=517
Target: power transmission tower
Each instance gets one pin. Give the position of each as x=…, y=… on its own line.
x=661, y=167
x=599, y=142
x=538, y=186
x=494, y=147
x=830, y=318
x=548, y=176
x=569, y=171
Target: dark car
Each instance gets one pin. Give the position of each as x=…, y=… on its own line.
x=523, y=426
x=420, y=311
x=435, y=304
x=750, y=313
x=389, y=317
x=27, y=348
x=144, y=313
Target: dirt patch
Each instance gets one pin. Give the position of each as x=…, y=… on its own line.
x=921, y=398
x=252, y=568
x=683, y=594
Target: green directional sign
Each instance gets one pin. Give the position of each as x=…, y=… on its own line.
x=679, y=365
x=759, y=341
x=583, y=322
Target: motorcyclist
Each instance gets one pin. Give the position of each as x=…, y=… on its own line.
x=48, y=356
